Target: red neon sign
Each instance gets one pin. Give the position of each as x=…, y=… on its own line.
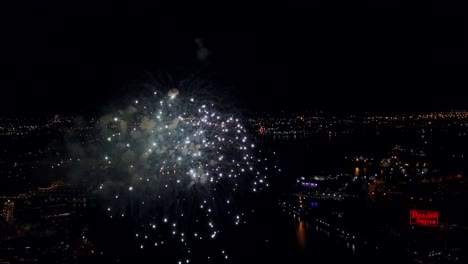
x=425, y=218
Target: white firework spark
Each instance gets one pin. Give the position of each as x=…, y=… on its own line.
x=176, y=165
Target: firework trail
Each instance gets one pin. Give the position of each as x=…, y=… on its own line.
x=177, y=167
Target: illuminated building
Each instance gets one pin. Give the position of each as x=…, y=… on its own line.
x=8, y=209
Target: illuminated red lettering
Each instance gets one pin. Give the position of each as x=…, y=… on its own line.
x=425, y=218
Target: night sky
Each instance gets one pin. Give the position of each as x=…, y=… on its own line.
x=387, y=56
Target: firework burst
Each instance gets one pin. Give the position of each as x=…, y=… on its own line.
x=177, y=167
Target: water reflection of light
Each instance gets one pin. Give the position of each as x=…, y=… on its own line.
x=322, y=230
x=353, y=247
x=356, y=171
x=301, y=236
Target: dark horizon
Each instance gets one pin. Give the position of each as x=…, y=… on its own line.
x=391, y=56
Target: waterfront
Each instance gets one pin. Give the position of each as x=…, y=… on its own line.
x=381, y=223
x=274, y=233
x=273, y=230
